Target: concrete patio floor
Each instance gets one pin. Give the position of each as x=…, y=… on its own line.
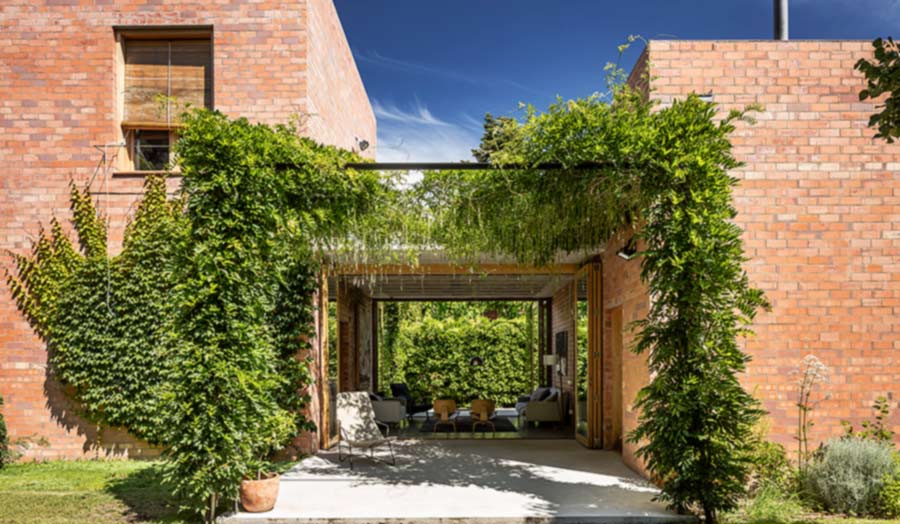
x=471, y=481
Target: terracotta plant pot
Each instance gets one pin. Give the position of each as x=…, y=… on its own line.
x=259, y=495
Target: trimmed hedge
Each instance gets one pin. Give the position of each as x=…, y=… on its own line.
x=434, y=357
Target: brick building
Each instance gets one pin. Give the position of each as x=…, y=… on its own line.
x=818, y=199
x=819, y=202
x=77, y=78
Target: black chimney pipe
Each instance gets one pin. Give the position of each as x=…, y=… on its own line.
x=781, y=19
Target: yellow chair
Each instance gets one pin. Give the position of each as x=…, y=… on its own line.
x=482, y=410
x=444, y=411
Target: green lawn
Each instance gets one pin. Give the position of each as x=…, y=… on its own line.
x=98, y=492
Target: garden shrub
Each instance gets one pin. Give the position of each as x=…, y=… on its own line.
x=769, y=461
x=4, y=439
x=889, y=498
x=877, y=429
x=434, y=358
x=847, y=476
x=770, y=504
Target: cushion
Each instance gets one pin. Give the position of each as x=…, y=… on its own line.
x=540, y=393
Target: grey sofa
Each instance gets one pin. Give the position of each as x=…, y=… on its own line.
x=544, y=404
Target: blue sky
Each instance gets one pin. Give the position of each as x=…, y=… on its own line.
x=433, y=68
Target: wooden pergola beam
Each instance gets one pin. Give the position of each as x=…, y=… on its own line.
x=452, y=269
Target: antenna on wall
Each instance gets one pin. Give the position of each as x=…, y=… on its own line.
x=781, y=19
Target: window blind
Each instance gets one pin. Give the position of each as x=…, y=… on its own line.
x=163, y=78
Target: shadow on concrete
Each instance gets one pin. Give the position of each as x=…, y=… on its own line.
x=542, y=479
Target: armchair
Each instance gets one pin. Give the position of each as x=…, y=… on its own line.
x=389, y=410
x=401, y=391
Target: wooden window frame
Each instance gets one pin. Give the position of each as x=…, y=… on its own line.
x=125, y=163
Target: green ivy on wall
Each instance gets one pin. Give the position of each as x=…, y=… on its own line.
x=190, y=337
x=104, y=317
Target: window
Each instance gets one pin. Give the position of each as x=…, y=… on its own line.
x=163, y=78
x=151, y=150
x=164, y=73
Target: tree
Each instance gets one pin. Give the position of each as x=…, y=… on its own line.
x=883, y=78
x=498, y=131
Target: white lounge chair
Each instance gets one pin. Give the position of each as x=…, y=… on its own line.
x=358, y=427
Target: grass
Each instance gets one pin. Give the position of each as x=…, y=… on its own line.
x=771, y=505
x=99, y=492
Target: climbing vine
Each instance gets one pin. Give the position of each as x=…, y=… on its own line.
x=665, y=172
x=193, y=336
x=261, y=201
x=103, y=317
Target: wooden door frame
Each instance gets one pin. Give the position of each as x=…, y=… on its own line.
x=593, y=272
x=325, y=439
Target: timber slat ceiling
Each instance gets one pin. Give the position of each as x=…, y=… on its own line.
x=460, y=287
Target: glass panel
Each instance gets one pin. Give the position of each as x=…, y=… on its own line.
x=151, y=150
x=581, y=354
x=332, y=369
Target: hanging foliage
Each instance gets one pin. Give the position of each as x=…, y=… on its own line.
x=244, y=294
x=666, y=172
x=190, y=337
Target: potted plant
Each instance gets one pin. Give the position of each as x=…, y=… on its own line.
x=259, y=491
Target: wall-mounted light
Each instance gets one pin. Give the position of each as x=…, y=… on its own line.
x=628, y=250
x=362, y=144
x=708, y=97
x=558, y=364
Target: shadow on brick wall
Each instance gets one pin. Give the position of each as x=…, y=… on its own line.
x=99, y=441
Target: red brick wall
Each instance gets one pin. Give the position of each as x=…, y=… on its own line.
x=335, y=86
x=819, y=201
x=562, y=317
x=57, y=80
x=622, y=289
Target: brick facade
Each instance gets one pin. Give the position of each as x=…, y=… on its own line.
x=819, y=203
x=271, y=60
x=624, y=373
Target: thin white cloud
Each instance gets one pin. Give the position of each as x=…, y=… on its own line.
x=417, y=135
x=377, y=59
x=417, y=114
x=472, y=123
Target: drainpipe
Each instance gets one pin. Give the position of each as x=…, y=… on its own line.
x=781, y=19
